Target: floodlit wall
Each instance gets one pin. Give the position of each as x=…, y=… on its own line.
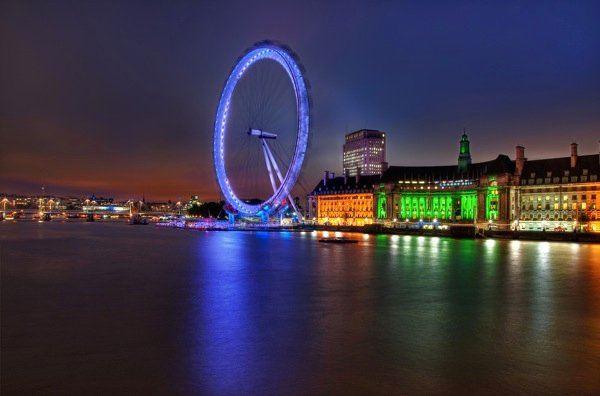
x=345, y=209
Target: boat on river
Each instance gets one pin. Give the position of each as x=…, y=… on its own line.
x=138, y=220
x=338, y=240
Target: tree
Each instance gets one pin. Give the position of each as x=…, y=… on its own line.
x=194, y=210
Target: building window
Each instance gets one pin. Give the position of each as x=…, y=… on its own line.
x=574, y=197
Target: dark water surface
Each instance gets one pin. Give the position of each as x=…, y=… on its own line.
x=108, y=308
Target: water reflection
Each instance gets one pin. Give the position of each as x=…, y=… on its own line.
x=285, y=314
x=157, y=310
x=251, y=317
x=225, y=331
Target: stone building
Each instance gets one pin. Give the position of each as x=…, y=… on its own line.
x=347, y=200
x=556, y=193
x=466, y=192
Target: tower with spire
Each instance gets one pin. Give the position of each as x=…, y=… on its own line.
x=464, y=156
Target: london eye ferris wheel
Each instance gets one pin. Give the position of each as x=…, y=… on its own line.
x=261, y=131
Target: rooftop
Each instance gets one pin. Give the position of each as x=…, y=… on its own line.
x=502, y=164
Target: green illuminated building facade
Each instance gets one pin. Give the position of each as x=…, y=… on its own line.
x=466, y=192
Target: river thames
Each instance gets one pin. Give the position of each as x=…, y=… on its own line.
x=109, y=308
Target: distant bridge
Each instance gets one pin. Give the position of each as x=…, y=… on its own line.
x=31, y=212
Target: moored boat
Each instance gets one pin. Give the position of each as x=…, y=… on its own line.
x=138, y=220
x=338, y=240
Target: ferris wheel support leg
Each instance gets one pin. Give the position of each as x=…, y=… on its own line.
x=272, y=158
x=266, y=152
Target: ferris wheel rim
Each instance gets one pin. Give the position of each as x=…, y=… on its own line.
x=289, y=62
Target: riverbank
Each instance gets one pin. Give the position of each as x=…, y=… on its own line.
x=453, y=231
x=467, y=231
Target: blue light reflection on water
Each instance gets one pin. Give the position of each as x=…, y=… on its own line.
x=226, y=331
x=247, y=302
x=409, y=306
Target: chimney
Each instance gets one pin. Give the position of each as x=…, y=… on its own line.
x=573, y=155
x=332, y=175
x=358, y=170
x=325, y=177
x=520, y=160
x=346, y=175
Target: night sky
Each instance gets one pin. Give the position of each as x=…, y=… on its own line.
x=118, y=98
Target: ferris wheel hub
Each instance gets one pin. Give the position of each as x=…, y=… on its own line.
x=261, y=134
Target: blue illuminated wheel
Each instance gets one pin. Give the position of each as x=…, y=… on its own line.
x=235, y=139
